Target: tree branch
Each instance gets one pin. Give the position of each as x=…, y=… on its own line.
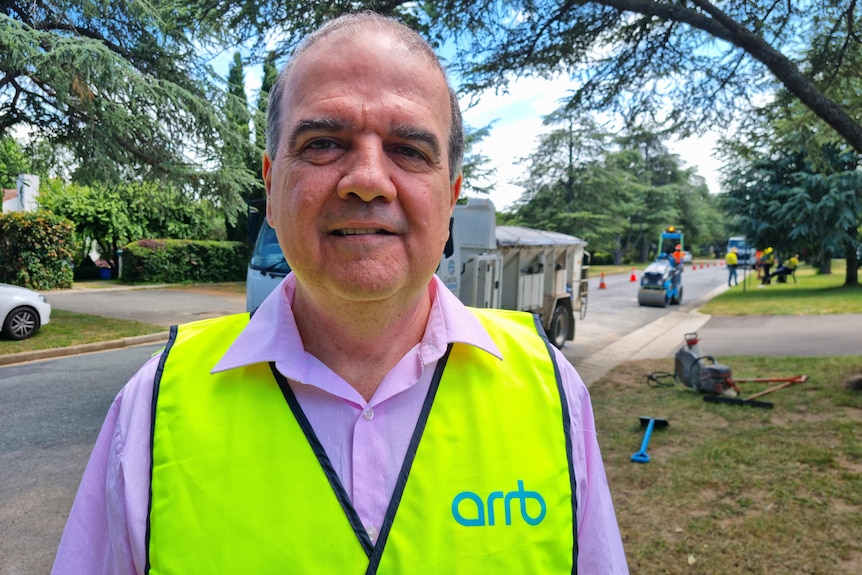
x=726, y=28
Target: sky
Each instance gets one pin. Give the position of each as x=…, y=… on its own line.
x=519, y=125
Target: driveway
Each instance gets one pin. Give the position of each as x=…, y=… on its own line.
x=159, y=305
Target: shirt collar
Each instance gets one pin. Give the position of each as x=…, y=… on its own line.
x=272, y=334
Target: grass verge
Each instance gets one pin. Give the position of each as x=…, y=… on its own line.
x=69, y=328
x=734, y=489
x=813, y=294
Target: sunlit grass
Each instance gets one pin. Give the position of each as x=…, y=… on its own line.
x=813, y=294
x=68, y=328
x=733, y=489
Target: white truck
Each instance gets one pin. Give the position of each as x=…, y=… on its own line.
x=484, y=265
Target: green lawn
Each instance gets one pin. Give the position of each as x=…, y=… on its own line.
x=733, y=489
x=69, y=328
x=813, y=294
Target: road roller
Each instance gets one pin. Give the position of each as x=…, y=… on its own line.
x=661, y=282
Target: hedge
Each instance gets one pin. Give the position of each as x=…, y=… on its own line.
x=36, y=250
x=179, y=261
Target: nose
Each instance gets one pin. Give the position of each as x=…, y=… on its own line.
x=367, y=172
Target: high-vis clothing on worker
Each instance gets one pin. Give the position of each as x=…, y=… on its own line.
x=487, y=484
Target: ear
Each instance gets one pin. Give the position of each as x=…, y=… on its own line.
x=267, y=181
x=456, y=191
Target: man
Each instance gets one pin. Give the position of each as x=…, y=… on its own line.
x=677, y=254
x=362, y=420
x=732, y=259
x=767, y=260
x=785, y=268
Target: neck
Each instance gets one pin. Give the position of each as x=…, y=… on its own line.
x=361, y=341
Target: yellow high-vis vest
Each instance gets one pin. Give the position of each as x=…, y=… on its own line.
x=240, y=483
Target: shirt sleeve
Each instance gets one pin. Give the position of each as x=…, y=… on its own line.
x=106, y=529
x=600, y=546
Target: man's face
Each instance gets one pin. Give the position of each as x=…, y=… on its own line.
x=359, y=192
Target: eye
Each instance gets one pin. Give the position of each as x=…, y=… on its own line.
x=408, y=152
x=321, y=144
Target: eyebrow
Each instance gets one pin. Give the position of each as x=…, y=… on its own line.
x=330, y=125
x=412, y=133
x=334, y=125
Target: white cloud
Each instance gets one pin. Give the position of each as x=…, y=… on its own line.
x=519, y=123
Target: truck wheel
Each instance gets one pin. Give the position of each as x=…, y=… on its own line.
x=678, y=299
x=559, y=328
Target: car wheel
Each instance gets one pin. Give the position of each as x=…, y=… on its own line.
x=21, y=323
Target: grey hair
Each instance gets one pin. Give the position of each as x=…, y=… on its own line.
x=352, y=24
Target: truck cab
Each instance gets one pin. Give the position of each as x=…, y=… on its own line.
x=266, y=268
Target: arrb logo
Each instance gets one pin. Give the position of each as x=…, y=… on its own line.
x=477, y=510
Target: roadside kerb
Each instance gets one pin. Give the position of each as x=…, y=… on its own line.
x=657, y=339
x=38, y=354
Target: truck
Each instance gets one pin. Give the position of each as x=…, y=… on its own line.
x=484, y=265
x=744, y=252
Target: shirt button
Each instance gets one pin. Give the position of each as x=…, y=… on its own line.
x=372, y=532
x=368, y=414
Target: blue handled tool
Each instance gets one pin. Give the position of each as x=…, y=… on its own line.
x=651, y=423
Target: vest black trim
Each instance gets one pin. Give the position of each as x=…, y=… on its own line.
x=323, y=459
x=398, y=492
x=567, y=430
x=172, y=338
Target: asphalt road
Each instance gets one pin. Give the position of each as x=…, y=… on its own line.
x=51, y=412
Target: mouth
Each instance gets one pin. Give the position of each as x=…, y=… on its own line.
x=361, y=232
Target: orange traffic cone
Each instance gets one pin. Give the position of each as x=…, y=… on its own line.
x=701, y=265
x=633, y=277
x=602, y=282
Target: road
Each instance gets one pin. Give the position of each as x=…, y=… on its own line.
x=51, y=412
x=614, y=312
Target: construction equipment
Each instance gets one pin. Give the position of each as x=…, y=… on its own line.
x=749, y=401
x=661, y=283
x=650, y=423
x=703, y=374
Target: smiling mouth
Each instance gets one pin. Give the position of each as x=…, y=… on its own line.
x=360, y=232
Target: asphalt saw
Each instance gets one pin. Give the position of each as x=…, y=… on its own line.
x=704, y=374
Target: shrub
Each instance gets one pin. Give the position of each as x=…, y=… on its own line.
x=178, y=261
x=36, y=250
x=601, y=258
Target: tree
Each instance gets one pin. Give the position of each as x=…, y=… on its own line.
x=796, y=205
x=125, y=87
x=478, y=174
x=241, y=151
x=617, y=192
x=13, y=161
x=633, y=55
x=113, y=216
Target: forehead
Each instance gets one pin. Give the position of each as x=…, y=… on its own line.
x=374, y=71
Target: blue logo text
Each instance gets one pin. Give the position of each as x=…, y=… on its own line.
x=476, y=511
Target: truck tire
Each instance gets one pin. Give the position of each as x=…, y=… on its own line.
x=558, y=330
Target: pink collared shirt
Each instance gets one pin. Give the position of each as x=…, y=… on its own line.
x=366, y=441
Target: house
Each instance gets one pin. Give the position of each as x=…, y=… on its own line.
x=23, y=198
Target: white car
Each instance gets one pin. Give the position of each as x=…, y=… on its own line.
x=22, y=311
x=686, y=257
